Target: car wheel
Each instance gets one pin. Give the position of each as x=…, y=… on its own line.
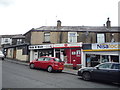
x=50, y=69
x=86, y=76
x=32, y=66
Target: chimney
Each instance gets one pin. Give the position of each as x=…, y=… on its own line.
x=108, y=23
x=58, y=24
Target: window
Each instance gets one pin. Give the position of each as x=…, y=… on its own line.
x=105, y=66
x=57, y=59
x=47, y=59
x=40, y=59
x=19, y=41
x=72, y=37
x=6, y=40
x=116, y=66
x=100, y=38
x=47, y=37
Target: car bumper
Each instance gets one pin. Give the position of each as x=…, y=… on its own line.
x=58, y=68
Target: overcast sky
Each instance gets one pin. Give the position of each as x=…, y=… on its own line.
x=19, y=16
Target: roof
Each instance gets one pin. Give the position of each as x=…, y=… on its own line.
x=9, y=36
x=18, y=36
x=75, y=29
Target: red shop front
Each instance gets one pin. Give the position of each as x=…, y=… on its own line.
x=68, y=52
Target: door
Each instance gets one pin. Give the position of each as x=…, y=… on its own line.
x=46, y=62
x=39, y=62
x=102, y=72
x=115, y=73
x=35, y=55
x=14, y=53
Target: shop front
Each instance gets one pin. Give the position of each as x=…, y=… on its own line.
x=100, y=53
x=67, y=52
x=37, y=51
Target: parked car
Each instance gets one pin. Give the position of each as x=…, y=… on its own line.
x=109, y=71
x=49, y=63
x=1, y=55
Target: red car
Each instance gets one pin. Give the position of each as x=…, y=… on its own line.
x=49, y=63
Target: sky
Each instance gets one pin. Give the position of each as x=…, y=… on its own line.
x=20, y=16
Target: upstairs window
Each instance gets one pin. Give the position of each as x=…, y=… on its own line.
x=47, y=37
x=6, y=40
x=72, y=37
x=101, y=38
x=19, y=41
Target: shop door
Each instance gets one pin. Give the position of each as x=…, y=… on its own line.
x=73, y=54
x=14, y=53
x=57, y=54
x=35, y=55
x=76, y=55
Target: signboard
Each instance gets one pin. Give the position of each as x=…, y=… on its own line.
x=40, y=46
x=105, y=46
x=67, y=45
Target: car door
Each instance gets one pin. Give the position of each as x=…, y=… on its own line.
x=46, y=62
x=102, y=72
x=39, y=61
x=115, y=73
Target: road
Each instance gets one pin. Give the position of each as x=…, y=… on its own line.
x=20, y=76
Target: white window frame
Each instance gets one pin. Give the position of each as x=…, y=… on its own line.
x=72, y=37
x=47, y=37
x=101, y=38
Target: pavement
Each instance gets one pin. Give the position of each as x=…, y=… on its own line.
x=66, y=70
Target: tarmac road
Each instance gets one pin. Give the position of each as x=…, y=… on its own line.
x=20, y=76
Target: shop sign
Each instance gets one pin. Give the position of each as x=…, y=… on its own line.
x=106, y=46
x=40, y=46
x=67, y=45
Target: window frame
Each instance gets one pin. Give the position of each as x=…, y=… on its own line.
x=100, y=38
x=72, y=39
x=110, y=65
x=46, y=36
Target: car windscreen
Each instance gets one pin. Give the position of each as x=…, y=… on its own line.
x=57, y=59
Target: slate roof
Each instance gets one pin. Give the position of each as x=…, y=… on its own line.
x=79, y=28
x=9, y=36
x=18, y=36
x=75, y=29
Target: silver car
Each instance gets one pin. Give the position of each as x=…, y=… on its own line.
x=1, y=55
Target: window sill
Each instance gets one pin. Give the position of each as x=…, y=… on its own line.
x=47, y=42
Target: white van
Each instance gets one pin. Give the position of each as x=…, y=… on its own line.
x=1, y=55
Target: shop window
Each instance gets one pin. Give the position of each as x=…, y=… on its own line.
x=72, y=37
x=114, y=58
x=100, y=38
x=47, y=37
